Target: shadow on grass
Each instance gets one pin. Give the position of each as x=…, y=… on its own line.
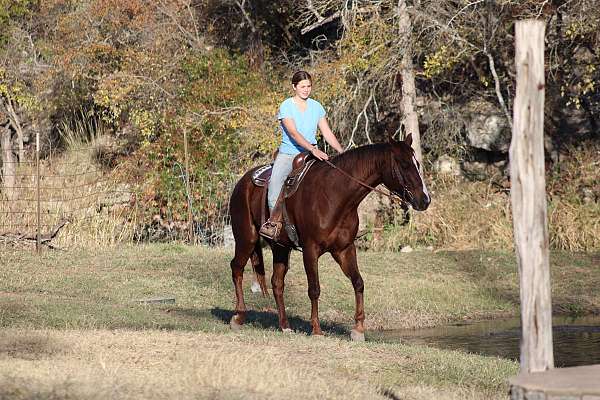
x=269, y=320
x=30, y=346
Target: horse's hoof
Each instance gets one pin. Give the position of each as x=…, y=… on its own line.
x=357, y=336
x=234, y=324
x=287, y=330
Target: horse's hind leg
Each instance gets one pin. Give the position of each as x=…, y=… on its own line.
x=243, y=250
x=347, y=260
x=259, y=269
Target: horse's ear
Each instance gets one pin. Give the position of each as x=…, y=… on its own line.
x=391, y=138
x=408, y=139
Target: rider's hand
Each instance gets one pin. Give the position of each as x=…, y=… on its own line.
x=320, y=155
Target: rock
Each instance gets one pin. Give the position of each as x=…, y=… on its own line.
x=574, y=122
x=121, y=194
x=487, y=128
x=371, y=209
x=587, y=195
x=447, y=165
x=406, y=249
x=475, y=170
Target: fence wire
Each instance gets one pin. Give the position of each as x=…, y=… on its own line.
x=110, y=204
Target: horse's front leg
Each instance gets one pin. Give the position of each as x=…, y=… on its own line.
x=347, y=260
x=281, y=259
x=311, y=267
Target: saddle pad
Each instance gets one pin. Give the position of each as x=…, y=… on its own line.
x=261, y=176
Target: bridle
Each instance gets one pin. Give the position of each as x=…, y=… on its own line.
x=396, y=174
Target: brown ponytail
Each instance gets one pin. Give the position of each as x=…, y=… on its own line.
x=300, y=76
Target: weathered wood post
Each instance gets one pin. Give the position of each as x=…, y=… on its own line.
x=528, y=197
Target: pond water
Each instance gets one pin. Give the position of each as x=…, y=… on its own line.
x=576, y=340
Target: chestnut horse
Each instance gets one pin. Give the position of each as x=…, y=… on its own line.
x=324, y=211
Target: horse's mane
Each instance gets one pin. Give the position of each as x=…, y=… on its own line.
x=368, y=156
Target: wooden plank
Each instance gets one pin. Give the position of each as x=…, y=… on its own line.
x=158, y=300
x=528, y=197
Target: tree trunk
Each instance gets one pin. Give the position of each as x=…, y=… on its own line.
x=528, y=197
x=16, y=123
x=410, y=120
x=8, y=163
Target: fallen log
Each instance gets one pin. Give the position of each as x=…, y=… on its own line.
x=45, y=238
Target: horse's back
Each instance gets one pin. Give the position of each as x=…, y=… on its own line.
x=244, y=204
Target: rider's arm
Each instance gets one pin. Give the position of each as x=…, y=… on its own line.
x=329, y=136
x=290, y=128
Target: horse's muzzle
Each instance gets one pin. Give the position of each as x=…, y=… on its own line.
x=422, y=206
x=420, y=203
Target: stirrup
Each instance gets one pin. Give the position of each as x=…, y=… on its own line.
x=270, y=230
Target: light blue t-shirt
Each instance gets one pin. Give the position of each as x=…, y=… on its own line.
x=306, y=123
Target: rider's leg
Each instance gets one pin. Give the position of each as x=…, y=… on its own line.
x=281, y=169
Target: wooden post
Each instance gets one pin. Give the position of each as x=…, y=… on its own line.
x=528, y=197
x=38, y=241
x=187, y=188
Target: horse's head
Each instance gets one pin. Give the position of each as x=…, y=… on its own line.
x=403, y=176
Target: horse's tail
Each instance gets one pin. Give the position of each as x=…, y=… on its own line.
x=258, y=266
x=245, y=231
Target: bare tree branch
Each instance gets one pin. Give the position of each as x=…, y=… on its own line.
x=194, y=40
x=497, y=88
x=363, y=113
x=321, y=22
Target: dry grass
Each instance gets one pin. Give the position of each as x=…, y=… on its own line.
x=477, y=215
x=462, y=215
x=71, y=327
x=73, y=187
x=98, y=288
x=45, y=364
x=574, y=221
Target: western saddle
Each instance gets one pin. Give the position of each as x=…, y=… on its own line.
x=271, y=228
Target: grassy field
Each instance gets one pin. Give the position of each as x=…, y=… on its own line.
x=73, y=326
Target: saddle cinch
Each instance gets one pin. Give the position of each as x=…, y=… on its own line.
x=300, y=166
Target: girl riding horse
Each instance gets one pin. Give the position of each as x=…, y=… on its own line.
x=324, y=211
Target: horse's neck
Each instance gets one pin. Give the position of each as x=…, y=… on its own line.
x=367, y=174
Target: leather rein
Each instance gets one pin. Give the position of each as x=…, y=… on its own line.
x=392, y=194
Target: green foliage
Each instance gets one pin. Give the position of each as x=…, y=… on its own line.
x=10, y=10
x=438, y=62
x=219, y=79
x=17, y=92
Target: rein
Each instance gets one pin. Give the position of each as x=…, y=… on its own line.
x=392, y=195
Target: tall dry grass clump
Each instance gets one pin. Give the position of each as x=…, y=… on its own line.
x=477, y=215
x=462, y=215
x=74, y=189
x=574, y=200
